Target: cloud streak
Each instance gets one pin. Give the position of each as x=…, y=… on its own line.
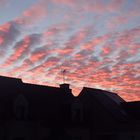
x=33, y=14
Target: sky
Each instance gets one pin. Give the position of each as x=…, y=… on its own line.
x=96, y=43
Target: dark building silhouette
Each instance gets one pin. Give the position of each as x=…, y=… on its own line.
x=33, y=112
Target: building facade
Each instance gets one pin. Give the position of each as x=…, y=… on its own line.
x=33, y=112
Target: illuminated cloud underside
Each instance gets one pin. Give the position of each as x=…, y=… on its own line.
x=97, y=42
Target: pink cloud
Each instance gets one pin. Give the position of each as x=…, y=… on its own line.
x=18, y=71
x=102, y=61
x=1, y=40
x=106, y=50
x=35, y=57
x=8, y=35
x=32, y=15
x=117, y=21
x=95, y=73
x=115, y=5
x=52, y=31
x=5, y=27
x=51, y=61
x=65, y=2
x=17, y=52
x=100, y=7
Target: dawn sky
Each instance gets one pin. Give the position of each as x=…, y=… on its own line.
x=97, y=42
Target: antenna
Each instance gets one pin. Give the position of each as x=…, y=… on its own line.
x=63, y=70
x=64, y=75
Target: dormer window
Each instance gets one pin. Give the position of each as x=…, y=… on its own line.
x=21, y=107
x=77, y=111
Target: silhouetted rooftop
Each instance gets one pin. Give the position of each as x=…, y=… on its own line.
x=40, y=96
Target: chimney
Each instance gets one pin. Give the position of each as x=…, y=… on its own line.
x=65, y=87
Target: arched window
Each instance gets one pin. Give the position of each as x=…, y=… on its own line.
x=77, y=111
x=21, y=107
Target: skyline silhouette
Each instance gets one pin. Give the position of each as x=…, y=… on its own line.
x=29, y=111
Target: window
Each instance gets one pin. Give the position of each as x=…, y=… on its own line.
x=66, y=111
x=77, y=112
x=21, y=107
x=20, y=112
